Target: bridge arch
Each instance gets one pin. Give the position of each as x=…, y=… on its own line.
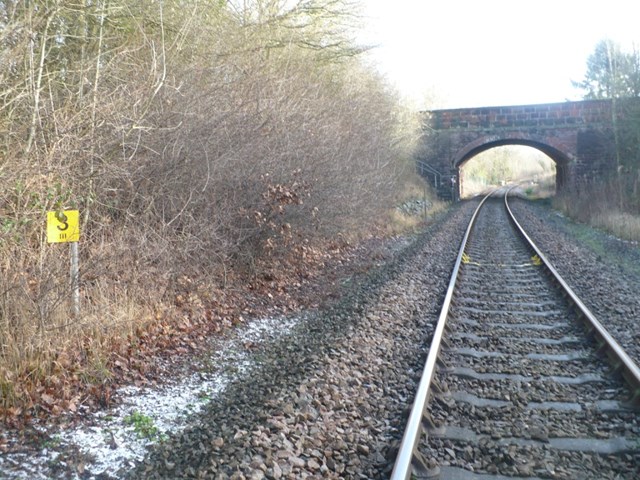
x=577, y=136
x=561, y=158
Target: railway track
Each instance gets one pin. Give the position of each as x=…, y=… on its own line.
x=515, y=384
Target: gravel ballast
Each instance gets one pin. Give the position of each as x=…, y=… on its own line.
x=329, y=398
x=604, y=271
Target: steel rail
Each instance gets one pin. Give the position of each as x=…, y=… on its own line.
x=621, y=361
x=408, y=458
x=407, y=453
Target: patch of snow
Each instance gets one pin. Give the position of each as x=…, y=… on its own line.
x=110, y=440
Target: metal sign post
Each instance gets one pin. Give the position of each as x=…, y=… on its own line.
x=64, y=227
x=75, y=278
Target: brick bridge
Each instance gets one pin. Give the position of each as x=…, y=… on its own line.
x=578, y=136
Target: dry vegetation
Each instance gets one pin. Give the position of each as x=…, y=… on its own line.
x=596, y=205
x=612, y=201
x=203, y=141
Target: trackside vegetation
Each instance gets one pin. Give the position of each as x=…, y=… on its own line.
x=612, y=202
x=202, y=141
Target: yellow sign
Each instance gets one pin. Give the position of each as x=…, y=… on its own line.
x=63, y=226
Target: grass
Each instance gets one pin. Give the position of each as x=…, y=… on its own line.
x=599, y=228
x=401, y=222
x=51, y=442
x=142, y=424
x=595, y=210
x=44, y=347
x=622, y=225
x=204, y=397
x=412, y=189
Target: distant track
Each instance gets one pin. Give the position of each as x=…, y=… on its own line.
x=513, y=384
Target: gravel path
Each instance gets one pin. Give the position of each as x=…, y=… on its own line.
x=329, y=399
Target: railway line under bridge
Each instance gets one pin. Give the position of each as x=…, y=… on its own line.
x=578, y=136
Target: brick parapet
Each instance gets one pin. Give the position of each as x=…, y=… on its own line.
x=552, y=115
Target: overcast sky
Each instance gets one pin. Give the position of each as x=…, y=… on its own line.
x=492, y=52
